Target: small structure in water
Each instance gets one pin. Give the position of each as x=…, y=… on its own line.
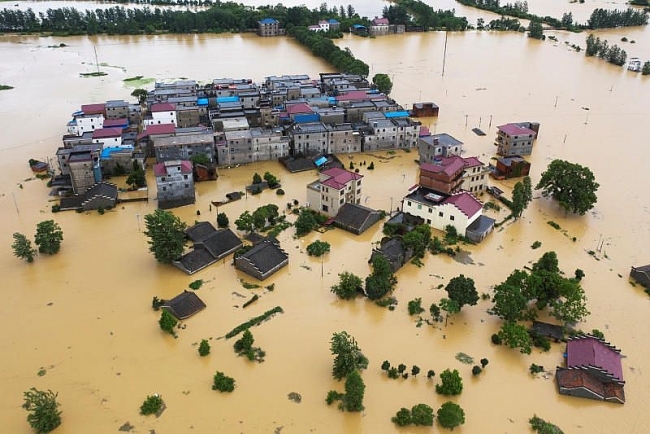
x=184, y=305
x=641, y=275
x=634, y=64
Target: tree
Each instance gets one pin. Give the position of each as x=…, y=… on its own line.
x=257, y=178
x=382, y=280
x=151, y=405
x=348, y=287
x=484, y=362
x=451, y=383
x=270, y=179
x=449, y=306
x=137, y=178
x=222, y=220
x=44, y=414
x=245, y=222
x=415, y=370
x=522, y=195
x=543, y=427
x=516, y=336
x=48, y=237
x=204, y=348
x=548, y=262
x=354, y=392
x=305, y=223
x=450, y=415
x=572, y=185
x=168, y=322
x=422, y=414
x=245, y=343
x=509, y=299
x=415, y=306
x=23, y=248
x=536, y=30
x=430, y=374
x=461, y=290
x=318, y=248
x=223, y=383
x=570, y=305
x=417, y=239
x=140, y=94
x=401, y=368
x=476, y=370
x=383, y=83
x=434, y=310
x=167, y=235
x=348, y=357
x=403, y=417
x=645, y=69
x=385, y=366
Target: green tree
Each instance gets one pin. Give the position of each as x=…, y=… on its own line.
x=535, y=30
x=23, y=248
x=509, y=299
x=382, y=280
x=348, y=287
x=385, y=366
x=451, y=383
x=415, y=370
x=521, y=197
x=461, y=289
x=245, y=222
x=383, y=83
x=422, y=414
x=347, y=355
x=200, y=159
x=450, y=415
x=548, y=262
x=257, y=178
x=403, y=417
x=571, y=304
x=222, y=220
x=223, y=383
x=48, y=237
x=140, y=94
x=318, y=248
x=516, y=336
x=449, y=306
x=44, y=414
x=476, y=370
x=434, y=310
x=168, y=322
x=540, y=426
x=270, y=179
x=645, y=69
x=137, y=178
x=245, y=343
x=151, y=405
x=204, y=348
x=415, y=306
x=305, y=223
x=572, y=185
x=166, y=234
x=354, y=392
x=418, y=239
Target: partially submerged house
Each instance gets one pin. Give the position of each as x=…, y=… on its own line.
x=424, y=109
x=593, y=370
x=334, y=188
x=516, y=138
x=510, y=167
x=210, y=245
x=101, y=195
x=641, y=275
x=184, y=305
x=356, y=218
x=175, y=183
x=547, y=330
x=263, y=259
x=393, y=250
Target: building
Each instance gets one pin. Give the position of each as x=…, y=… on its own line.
x=641, y=275
x=393, y=250
x=86, y=121
x=510, y=167
x=343, y=138
x=424, y=110
x=184, y=147
x=309, y=139
x=379, y=26
x=334, y=188
x=475, y=175
x=236, y=148
x=85, y=170
x=184, y=305
x=269, y=27
x=161, y=113
x=515, y=139
x=356, y=218
x=175, y=183
x=268, y=144
x=210, y=245
x=593, y=370
x=438, y=210
x=263, y=259
x=445, y=175
x=437, y=145
x=109, y=137
x=102, y=195
x=117, y=109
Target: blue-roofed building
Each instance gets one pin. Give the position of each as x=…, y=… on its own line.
x=202, y=102
x=359, y=29
x=269, y=27
x=225, y=99
x=396, y=114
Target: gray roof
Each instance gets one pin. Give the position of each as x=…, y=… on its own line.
x=220, y=243
x=184, y=305
x=356, y=217
x=200, y=231
x=266, y=255
x=194, y=261
x=392, y=249
x=481, y=225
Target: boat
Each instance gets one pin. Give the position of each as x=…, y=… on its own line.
x=38, y=166
x=230, y=197
x=634, y=64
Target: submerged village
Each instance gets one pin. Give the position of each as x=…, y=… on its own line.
x=186, y=133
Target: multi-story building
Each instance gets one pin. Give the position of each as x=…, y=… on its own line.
x=309, y=139
x=515, y=139
x=343, y=139
x=175, y=183
x=450, y=174
x=84, y=169
x=383, y=135
x=459, y=210
x=268, y=144
x=334, y=188
x=161, y=113
x=117, y=109
x=110, y=137
x=235, y=148
x=431, y=147
x=88, y=119
x=269, y=27
x=184, y=147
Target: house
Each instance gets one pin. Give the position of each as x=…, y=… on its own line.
x=269, y=144
x=101, y=195
x=510, y=167
x=450, y=174
x=263, y=259
x=393, y=250
x=593, y=370
x=269, y=27
x=547, y=330
x=334, y=187
x=85, y=170
x=641, y=275
x=184, y=305
x=309, y=139
x=210, y=245
x=516, y=139
x=438, y=145
x=359, y=29
x=334, y=24
x=184, y=147
x=379, y=26
x=356, y=218
x=480, y=228
x=89, y=118
x=117, y=109
x=146, y=138
x=424, y=110
x=161, y=113
x=108, y=136
x=438, y=210
x=175, y=183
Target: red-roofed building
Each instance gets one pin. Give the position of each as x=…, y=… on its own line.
x=110, y=137
x=122, y=123
x=593, y=370
x=93, y=109
x=175, y=183
x=450, y=174
x=358, y=95
x=161, y=113
x=515, y=139
x=334, y=188
x=298, y=108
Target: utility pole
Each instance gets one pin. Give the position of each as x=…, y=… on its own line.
x=444, y=55
x=490, y=126
x=466, y=120
x=556, y=101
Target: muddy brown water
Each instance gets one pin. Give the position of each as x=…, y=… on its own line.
x=84, y=315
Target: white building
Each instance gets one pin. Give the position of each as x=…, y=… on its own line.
x=438, y=210
x=161, y=113
x=110, y=137
x=268, y=144
x=334, y=188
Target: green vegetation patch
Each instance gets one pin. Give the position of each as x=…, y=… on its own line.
x=464, y=358
x=138, y=81
x=253, y=322
x=5, y=87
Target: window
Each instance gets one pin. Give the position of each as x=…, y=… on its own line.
x=451, y=217
x=440, y=214
x=428, y=221
x=184, y=176
x=163, y=179
x=430, y=210
x=341, y=201
x=419, y=206
x=164, y=188
x=408, y=202
x=187, y=185
x=325, y=208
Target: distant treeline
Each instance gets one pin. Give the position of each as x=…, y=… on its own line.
x=600, y=48
x=221, y=17
x=600, y=18
x=419, y=14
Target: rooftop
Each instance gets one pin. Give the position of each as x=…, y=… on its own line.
x=104, y=133
x=590, y=351
x=266, y=255
x=184, y=305
x=516, y=130
x=338, y=178
x=163, y=169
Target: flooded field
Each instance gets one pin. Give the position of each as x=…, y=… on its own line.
x=85, y=317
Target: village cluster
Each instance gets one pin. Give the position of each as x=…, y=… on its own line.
x=193, y=129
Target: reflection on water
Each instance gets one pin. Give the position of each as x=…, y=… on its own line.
x=84, y=315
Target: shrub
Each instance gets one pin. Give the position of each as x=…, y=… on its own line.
x=223, y=383
x=385, y=366
x=415, y=306
x=422, y=414
x=403, y=417
x=579, y=274
x=196, y=284
x=168, y=322
x=536, y=245
x=44, y=415
x=535, y=369
x=204, y=348
x=476, y=370
x=151, y=405
x=496, y=339
x=430, y=374
x=333, y=396
x=279, y=192
x=484, y=363
x=452, y=383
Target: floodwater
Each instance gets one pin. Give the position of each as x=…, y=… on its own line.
x=84, y=315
